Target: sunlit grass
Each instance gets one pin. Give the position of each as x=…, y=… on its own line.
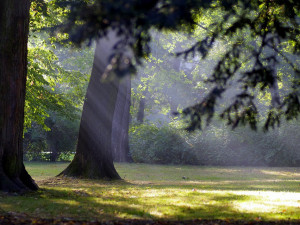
x=164, y=192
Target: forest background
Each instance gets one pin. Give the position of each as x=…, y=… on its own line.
x=58, y=75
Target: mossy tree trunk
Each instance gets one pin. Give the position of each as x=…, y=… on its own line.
x=93, y=158
x=14, y=28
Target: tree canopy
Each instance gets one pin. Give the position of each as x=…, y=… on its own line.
x=262, y=37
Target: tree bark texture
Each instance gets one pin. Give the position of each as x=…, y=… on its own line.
x=93, y=158
x=14, y=28
x=120, y=142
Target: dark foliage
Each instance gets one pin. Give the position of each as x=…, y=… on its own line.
x=261, y=34
x=162, y=145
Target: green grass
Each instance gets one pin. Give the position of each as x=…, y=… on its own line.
x=160, y=192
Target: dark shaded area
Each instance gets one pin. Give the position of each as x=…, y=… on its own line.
x=141, y=111
x=14, y=219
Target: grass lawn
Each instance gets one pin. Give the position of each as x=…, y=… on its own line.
x=163, y=192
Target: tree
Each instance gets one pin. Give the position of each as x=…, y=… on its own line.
x=168, y=83
x=62, y=137
x=93, y=158
x=141, y=110
x=120, y=125
x=56, y=83
x=273, y=24
x=14, y=28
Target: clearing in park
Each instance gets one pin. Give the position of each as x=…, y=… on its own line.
x=164, y=193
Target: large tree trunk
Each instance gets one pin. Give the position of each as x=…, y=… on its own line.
x=93, y=158
x=14, y=28
x=120, y=143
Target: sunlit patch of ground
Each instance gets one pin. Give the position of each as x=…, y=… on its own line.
x=285, y=173
x=164, y=192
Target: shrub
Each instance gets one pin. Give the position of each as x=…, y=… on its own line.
x=218, y=145
x=164, y=145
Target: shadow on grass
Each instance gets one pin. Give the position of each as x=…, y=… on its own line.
x=56, y=202
x=79, y=204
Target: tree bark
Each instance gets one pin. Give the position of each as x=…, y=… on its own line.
x=14, y=28
x=93, y=158
x=53, y=150
x=141, y=111
x=173, y=101
x=120, y=143
x=52, y=140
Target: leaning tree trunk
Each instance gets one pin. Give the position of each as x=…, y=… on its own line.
x=120, y=127
x=14, y=28
x=93, y=158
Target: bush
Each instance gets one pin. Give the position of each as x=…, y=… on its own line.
x=164, y=145
x=56, y=144
x=66, y=156
x=217, y=146
x=221, y=146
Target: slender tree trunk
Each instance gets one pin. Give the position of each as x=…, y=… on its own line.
x=120, y=143
x=53, y=150
x=125, y=122
x=173, y=106
x=275, y=97
x=93, y=158
x=173, y=101
x=52, y=141
x=14, y=28
x=141, y=111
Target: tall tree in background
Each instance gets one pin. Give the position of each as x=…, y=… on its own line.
x=141, y=111
x=94, y=155
x=120, y=126
x=14, y=28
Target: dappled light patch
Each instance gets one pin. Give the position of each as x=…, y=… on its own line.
x=286, y=173
x=255, y=207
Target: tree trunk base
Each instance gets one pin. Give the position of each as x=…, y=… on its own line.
x=20, y=184
x=91, y=169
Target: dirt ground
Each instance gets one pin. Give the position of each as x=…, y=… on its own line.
x=21, y=219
